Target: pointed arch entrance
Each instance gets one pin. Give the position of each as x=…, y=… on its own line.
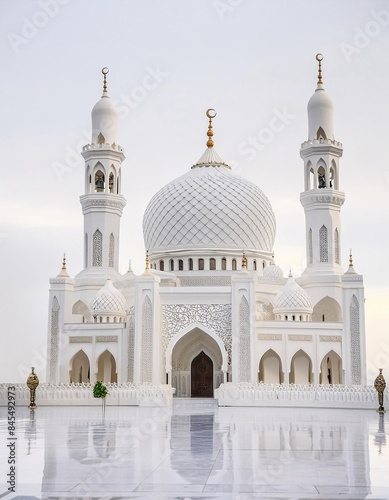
x=106, y=367
x=270, y=368
x=79, y=368
x=301, y=369
x=331, y=369
x=201, y=376
x=195, y=362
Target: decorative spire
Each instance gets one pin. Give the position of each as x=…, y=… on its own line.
x=290, y=273
x=244, y=261
x=319, y=58
x=211, y=113
x=147, y=266
x=105, y=72
x=63, y=272
x=351, y=269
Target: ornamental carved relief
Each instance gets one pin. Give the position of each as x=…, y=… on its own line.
x=131, y=344
x=54, y=339
x=82, y=339
x=107, y=338
x=300, y=337
x=355, y=343
x=269, y=336
x=216, y=317
x=330, y=338
x=244, y=341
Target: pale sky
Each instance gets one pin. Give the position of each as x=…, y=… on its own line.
x=169, y=61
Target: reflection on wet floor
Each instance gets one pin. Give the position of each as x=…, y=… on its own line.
x=197, y=450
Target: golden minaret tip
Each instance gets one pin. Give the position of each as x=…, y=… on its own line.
x=319, y=58
x=211, y=113
x=147, y=266
x=63, y=272
x=105, y=72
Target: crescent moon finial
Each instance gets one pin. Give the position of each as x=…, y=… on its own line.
x=105, y=72
x=319, y=58
x=210, y=113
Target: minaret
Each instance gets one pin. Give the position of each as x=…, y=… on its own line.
x=322, y=198
x=102, y=203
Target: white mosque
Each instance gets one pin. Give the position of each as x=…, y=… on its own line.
x=212, y=307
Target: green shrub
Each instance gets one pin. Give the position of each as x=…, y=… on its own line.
x=99, y=390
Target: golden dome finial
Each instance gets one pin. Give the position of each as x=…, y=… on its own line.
x=147, y=261
x=319, y=58
x=244, y=261
x=63, y=273
x=351, y=259
x=211, y=113
x=64, y=263
x=105, y=72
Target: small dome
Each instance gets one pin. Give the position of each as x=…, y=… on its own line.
x=108, y=301
x=104, y=121
x=320, y=115
x=273, y=271
x=292, y=297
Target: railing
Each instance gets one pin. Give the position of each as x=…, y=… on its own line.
x=342, y=396
x=82, y=394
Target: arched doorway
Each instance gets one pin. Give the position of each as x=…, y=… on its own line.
x=106, y=368
x=270, y=368
x=331, y=369
x=201, y=376
x=301, y=369
x=79, y=368
x=181, y=353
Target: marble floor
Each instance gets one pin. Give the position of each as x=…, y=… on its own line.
x=196, y=450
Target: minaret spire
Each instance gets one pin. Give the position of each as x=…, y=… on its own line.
x=105, y=72
x=321, y=154
x=211, y=113
x=319, y=58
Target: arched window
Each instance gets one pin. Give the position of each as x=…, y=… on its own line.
x=310, y=247
x=321, y=178
x=323, y=238
x=263, y=264
x=161, y=265
x=171, y=265
x=190, y=264
x=320, y=134
x=99, y=182
x=111, y=250
x=111, y=182
x=336, y=242
x=224, y=264
x=97, y=249
x=234, y=264
x=201, y=264
x=212, y=264
x=86, y=250
x=180, y=265
x=254, y=265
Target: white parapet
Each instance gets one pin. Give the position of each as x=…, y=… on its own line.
x=82, y=395
x=310, y=396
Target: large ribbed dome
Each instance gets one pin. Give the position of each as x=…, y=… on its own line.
x=209, y=207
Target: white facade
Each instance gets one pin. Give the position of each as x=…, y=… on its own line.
x=211, y=307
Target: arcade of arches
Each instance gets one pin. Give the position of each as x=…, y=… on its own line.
x=300, y=370
x=79, y=370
